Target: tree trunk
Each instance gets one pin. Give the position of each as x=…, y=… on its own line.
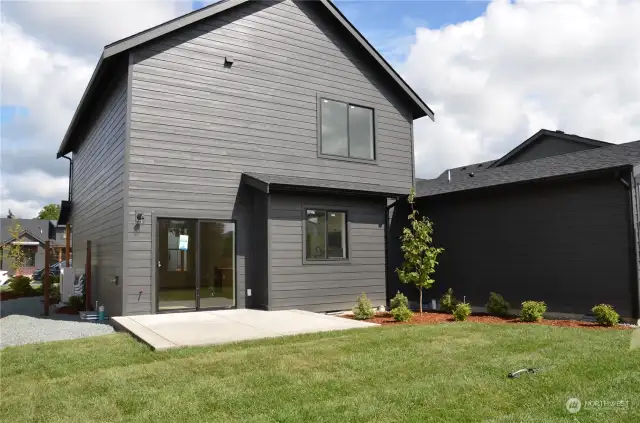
x=420, y=300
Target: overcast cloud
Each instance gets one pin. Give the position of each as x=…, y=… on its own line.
x=492, y=81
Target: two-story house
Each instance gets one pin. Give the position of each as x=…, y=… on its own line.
x=242, y=155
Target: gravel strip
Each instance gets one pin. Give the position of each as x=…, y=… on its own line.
x=20, y=330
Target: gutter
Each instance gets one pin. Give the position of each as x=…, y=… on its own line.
x=634, y=207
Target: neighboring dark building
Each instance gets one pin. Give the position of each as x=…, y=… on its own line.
x=240, y=156
x=555, y=219
x=33, y=234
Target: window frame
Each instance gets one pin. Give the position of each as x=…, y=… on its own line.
x=347, y=229
x=348, y=102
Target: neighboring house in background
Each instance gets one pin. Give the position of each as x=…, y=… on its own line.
x=59, y=242
x=555, y=219
x=34, y=233
x=240, y=156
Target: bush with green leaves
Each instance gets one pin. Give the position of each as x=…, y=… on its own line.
x=399, y=300
x=21, y=285
x=497, y=305
x=461, y=311
x=605, y=315
x=532, y=311
x=54, y=293
x=363, y=309
x=76, y=302
x=448, y=302
x=401, y=313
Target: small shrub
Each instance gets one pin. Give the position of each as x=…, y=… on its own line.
x=363, y=309
x=532, y=311
x=448, y=302
x=461, y=311
x=21, y=285
x=401, y=313
x=54, y=293
x=605, y=315
x=76, y=302
x=497, y=305
x=399, y=300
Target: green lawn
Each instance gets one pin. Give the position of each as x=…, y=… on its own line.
x=440, y=373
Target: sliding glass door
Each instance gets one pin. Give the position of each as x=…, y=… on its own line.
x=217, y=264
x=195, y=264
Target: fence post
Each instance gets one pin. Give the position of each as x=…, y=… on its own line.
x=46, y=281
x=87, y=278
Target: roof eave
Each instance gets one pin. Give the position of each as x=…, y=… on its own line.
x=64, y=145
x=424, y=109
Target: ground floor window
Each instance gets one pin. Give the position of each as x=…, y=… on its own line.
x=29, y=257
x=325, y=234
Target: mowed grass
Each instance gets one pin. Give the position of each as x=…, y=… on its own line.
x=415, y=373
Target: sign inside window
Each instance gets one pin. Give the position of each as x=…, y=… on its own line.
x=183, y=243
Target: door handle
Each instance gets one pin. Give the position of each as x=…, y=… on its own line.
x=159, y=265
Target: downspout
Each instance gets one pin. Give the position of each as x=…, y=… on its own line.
x=67, y=229
x=70, y=172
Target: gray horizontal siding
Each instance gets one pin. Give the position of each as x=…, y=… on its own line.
x=196, y=126
x=98, y=206
x=326, y=287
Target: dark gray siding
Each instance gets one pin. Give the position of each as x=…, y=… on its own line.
x=257, y=262
x=196, y=126
x=547, y=147
x=326, y=287
x=98, y=172
x=566, y=243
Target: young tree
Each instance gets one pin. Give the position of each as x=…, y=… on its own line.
x=420, y=257
x=14, y=252
x=50, y=212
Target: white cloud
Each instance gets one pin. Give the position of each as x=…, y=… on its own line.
x=48, y=51
x=522, y=66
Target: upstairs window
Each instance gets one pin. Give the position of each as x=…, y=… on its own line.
x=326, y=235
x=347, y=130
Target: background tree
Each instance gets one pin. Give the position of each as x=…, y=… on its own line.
x=10, y=215
x=14, y=253
x=50, y=212
x=420, y=257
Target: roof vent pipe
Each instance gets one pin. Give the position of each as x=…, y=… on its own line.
x=449, y=175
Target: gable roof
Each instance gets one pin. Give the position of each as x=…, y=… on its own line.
x=597, y=159
x=114, y=50
x=21, y=236
x=546, y=133
x=39, y=229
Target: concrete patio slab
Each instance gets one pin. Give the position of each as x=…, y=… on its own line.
x=163, y=331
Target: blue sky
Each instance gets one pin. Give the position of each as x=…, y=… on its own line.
x=383, y=22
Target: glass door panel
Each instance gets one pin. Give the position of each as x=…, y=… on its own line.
x=217, y=264
x=176, y=264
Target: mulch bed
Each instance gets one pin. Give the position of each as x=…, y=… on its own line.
x=67, y=310
x=10, y=295
x=431, y=318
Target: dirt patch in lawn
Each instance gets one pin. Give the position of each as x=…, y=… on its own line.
x=430, y=318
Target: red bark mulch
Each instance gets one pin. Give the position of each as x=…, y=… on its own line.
x=67, y=310
x=10, y=295
x=431, y=318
